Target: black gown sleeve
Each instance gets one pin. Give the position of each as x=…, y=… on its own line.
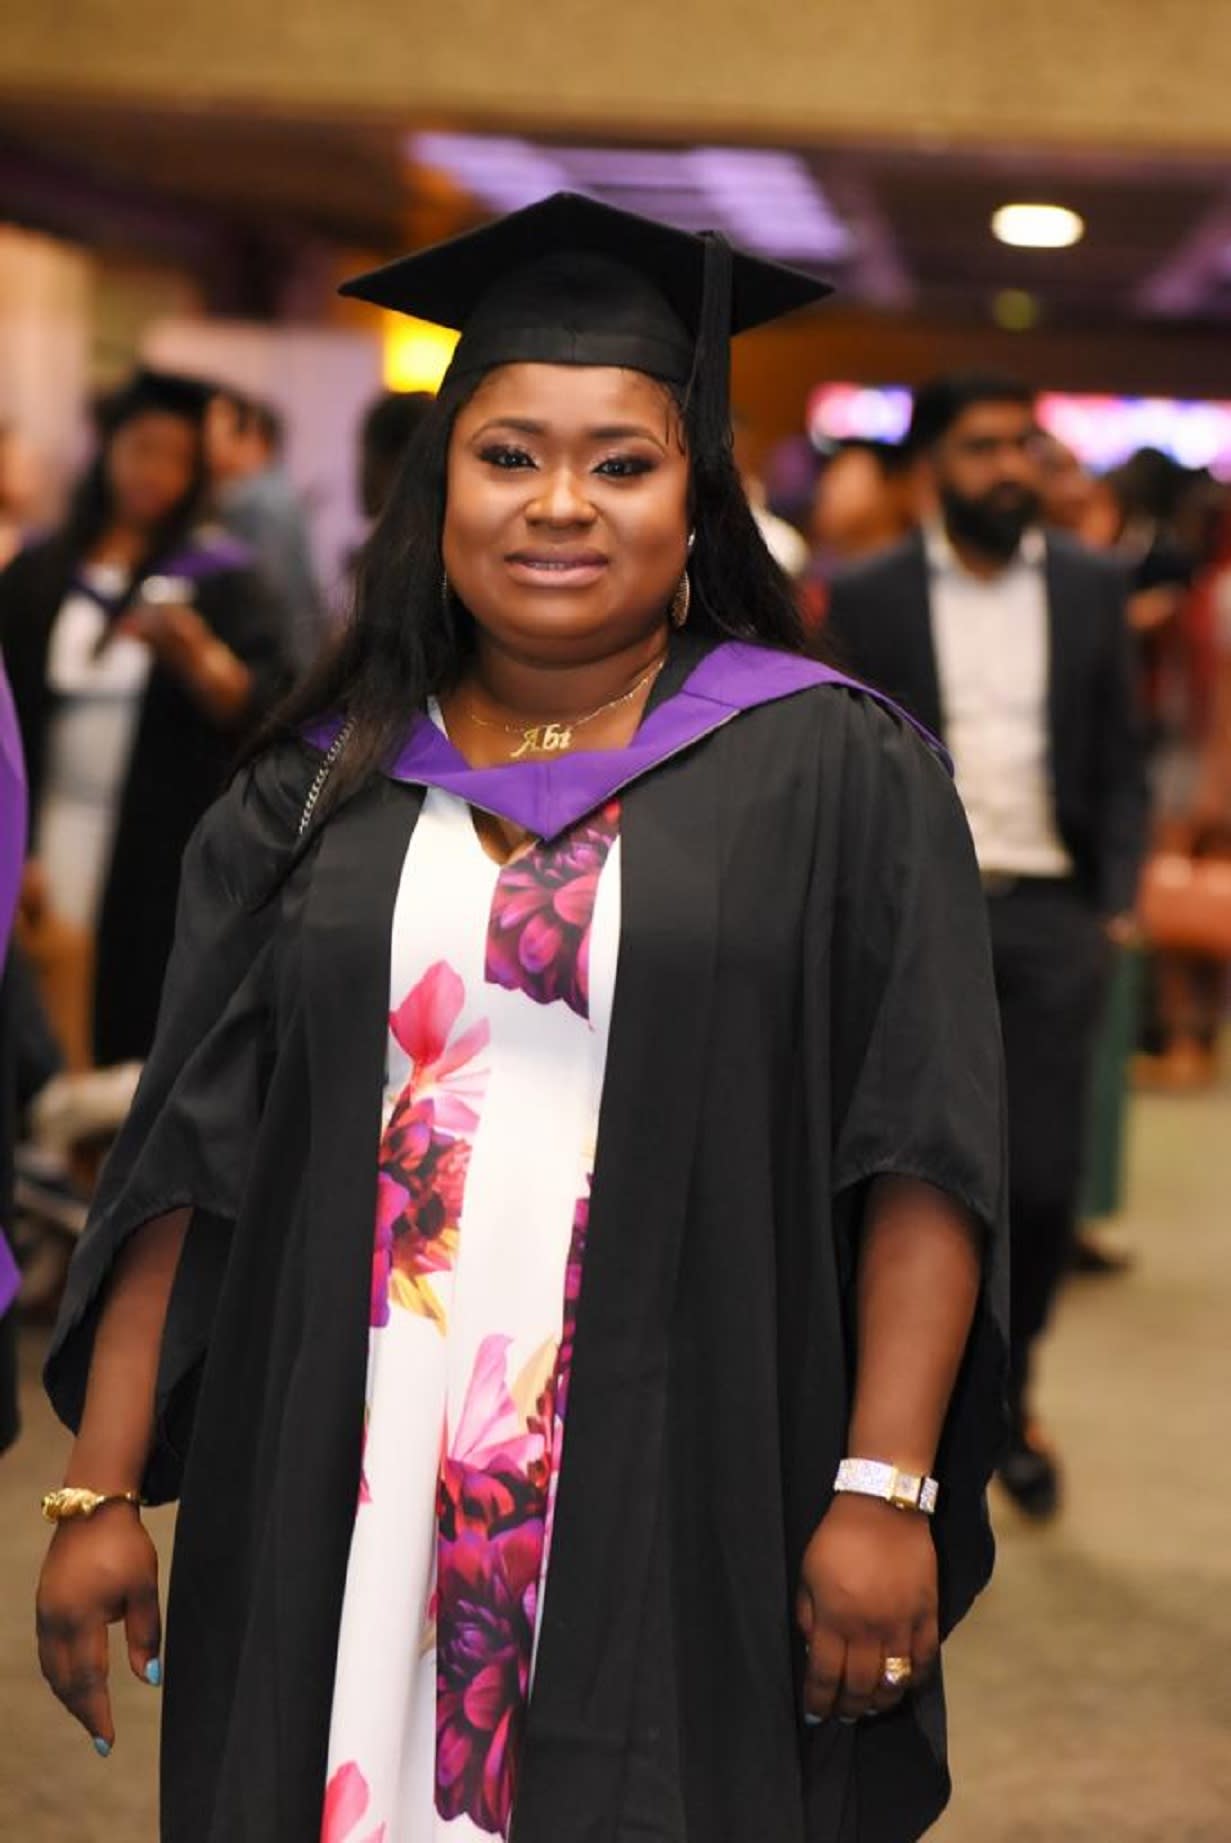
x=919, y=1089
x=189, y=1138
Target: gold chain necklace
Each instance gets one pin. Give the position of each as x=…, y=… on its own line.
x=554, y=738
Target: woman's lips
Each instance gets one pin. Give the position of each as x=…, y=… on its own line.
x=558, y=569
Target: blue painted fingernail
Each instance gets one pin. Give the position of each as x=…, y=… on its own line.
x=153, y=1673
x=101, y=1747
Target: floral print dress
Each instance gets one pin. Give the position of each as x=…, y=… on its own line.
x=501, y=991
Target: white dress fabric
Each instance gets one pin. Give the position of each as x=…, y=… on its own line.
x=500, y=1002
x=98, y=699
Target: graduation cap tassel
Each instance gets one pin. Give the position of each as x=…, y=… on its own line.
x=710, y=392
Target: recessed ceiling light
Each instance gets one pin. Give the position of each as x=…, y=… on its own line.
x=1038, y=227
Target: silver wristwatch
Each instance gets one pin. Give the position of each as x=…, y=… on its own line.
x=873, y=1478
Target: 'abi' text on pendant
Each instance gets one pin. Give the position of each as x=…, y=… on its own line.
x=544, y=739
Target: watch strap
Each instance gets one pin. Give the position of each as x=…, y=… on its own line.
x=875, y=1478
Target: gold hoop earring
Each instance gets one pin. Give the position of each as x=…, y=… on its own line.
x=681, y=601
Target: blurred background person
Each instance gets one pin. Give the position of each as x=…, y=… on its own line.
x=140, y=651
x=20, y=487
x=1132, y=512
x=256, y=501
x=1067, y=489
x=1070, y=497
x=789, y=472
x=389, y=425
x=784, y=543
x=863, y=503
x=1015, y=649
x=1154, y=517
x=1193, y=817
x=1211, y=621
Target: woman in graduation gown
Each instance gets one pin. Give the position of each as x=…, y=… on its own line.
x=139, y=645
x=573, y=1134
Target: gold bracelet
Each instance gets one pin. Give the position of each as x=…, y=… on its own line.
x=73, y=1501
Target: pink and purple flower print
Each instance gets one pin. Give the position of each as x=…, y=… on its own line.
x=572, y=1300
x=538, y=940
x=425, y=1147
x=347, y=1797
x=494, y=1509
x=491, y=1506
x=487, y=1598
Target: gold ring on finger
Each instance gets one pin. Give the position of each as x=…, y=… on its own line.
x=897, y=1671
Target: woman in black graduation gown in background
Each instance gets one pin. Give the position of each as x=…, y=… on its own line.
x=140, y=647
x=414, y=1170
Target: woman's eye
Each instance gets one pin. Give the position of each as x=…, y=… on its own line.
x=506, y=458
x=624, y=467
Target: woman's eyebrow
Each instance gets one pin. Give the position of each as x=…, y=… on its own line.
x=518, y=424
x=623, y=432
x=609, y=432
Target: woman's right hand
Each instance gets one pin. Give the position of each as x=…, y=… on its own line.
x=98, y=1570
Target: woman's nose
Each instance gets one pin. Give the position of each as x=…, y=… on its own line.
x=561, y=500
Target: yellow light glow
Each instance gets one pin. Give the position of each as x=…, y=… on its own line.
x=416, y=353
x=1015, y=310
x=1038, y=227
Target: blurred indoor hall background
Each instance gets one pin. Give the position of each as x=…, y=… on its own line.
x=1041, y=191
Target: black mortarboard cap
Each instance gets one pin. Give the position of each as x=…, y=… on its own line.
x=569, y=281
x=148, y=389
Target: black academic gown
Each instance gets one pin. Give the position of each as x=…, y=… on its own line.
x=803, y=1000
x=179, y=761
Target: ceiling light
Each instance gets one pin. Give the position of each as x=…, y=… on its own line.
x=767, y=199
x=1038, y=227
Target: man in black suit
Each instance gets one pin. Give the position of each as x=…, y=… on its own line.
x=1013, y=647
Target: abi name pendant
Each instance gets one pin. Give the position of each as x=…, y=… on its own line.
x=556, y=738
x=543, y=739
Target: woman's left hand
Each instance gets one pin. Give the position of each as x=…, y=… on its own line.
x=188, y=647
x=867, y=1592
x=175, y=633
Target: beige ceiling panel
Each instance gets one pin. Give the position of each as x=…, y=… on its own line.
x=1114, y=73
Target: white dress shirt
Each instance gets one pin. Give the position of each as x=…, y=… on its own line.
x=991, y=639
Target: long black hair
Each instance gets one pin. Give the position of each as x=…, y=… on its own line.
x=408, y=639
